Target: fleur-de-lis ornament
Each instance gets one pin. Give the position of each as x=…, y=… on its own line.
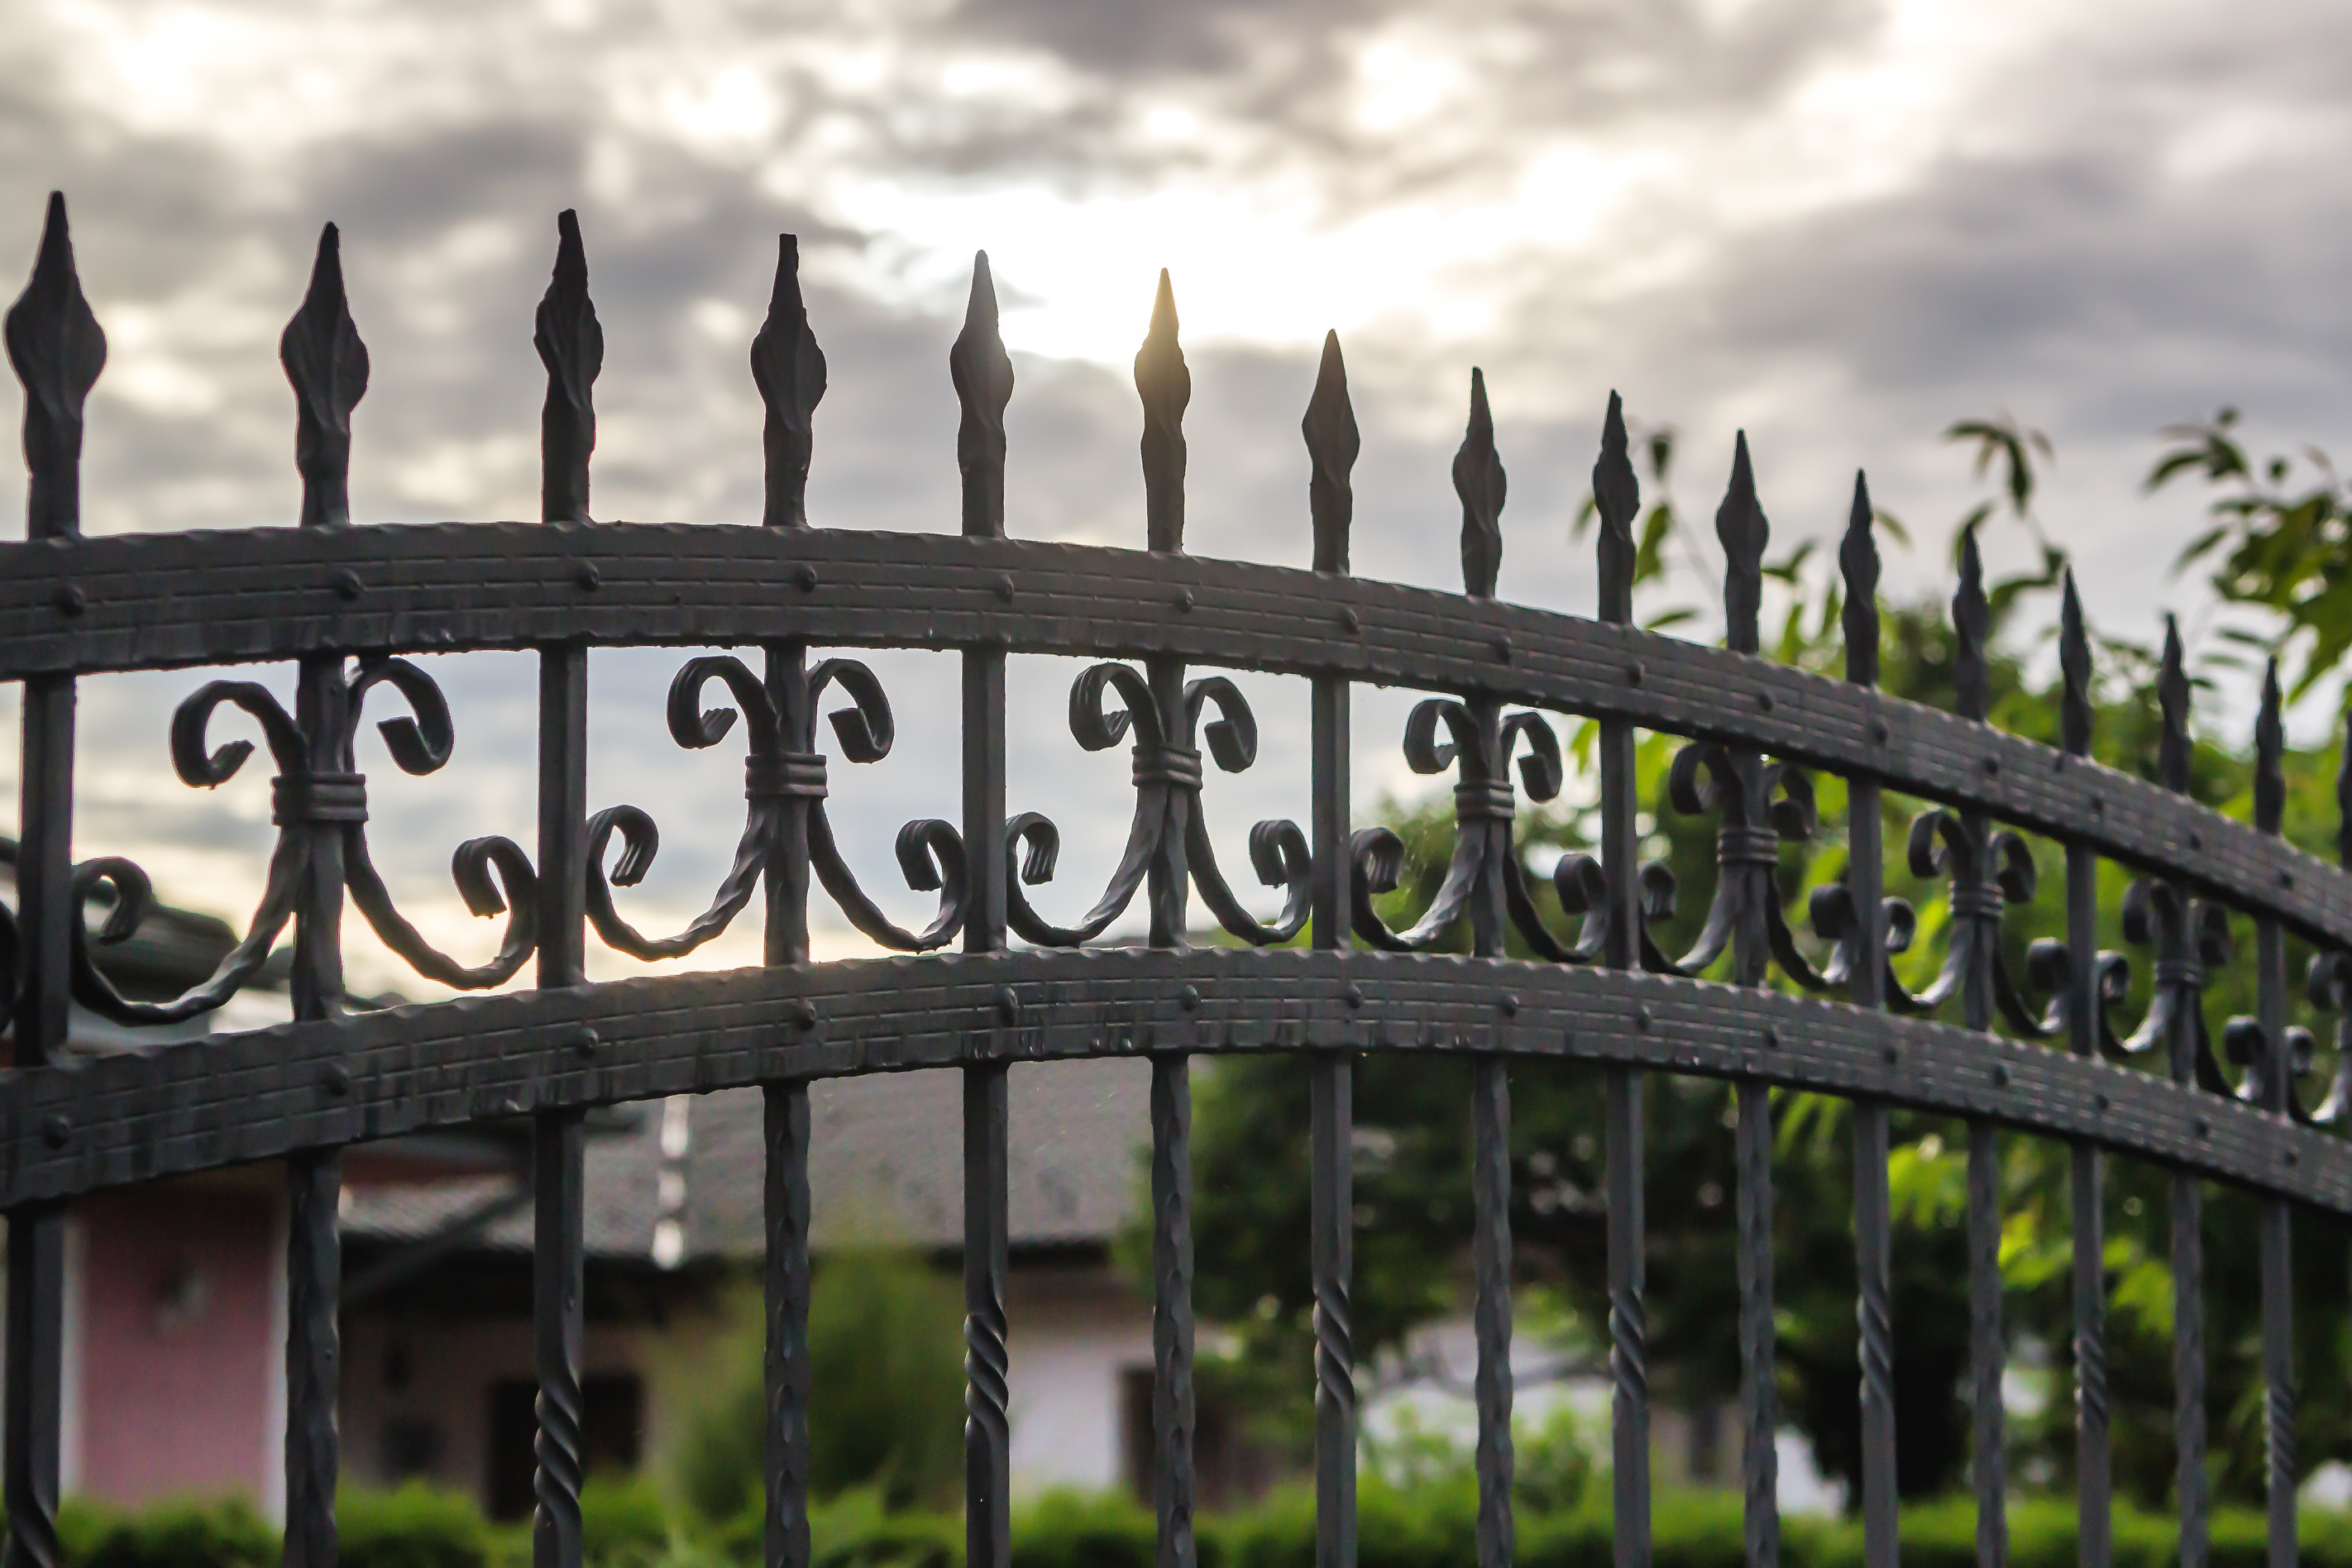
x=783, y=772
x=1167, y=844
x=1483, y=879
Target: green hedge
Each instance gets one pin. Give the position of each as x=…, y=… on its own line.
x=627, y=1526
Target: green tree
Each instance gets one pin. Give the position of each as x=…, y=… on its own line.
x=1412, y=1150
x=886, y=1391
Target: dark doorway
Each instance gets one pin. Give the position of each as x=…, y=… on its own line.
x=612, y=1433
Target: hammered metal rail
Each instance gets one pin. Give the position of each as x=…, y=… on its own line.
x=346, y=603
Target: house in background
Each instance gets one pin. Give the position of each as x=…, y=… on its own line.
x=176, y=1309
x=436, y=1327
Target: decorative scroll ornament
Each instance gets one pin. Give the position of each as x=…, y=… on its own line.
x=1985, y=869
x=308, y=805
x=1757, y=805
x=1483, y=876
x=780, y=769
x=1168, y=843
x=1167, y=811
x=783, y=772
x=327, y=364
x=2187, y=934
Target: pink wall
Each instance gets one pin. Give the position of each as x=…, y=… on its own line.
x=174, y=1323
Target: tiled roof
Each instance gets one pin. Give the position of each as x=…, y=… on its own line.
x=885, y=1162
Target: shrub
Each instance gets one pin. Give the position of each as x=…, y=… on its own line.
x=414, y=1526
x=182, y=1533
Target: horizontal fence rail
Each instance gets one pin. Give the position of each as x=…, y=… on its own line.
x=450, y=587
x=2043, y=1053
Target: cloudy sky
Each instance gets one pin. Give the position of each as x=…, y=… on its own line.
x=1837, y=224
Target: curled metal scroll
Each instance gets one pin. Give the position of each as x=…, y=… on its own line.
x=1987, y=871
x=1167, y=776
x=2189, y=936
x=1480, y=743
x=780, y=778
x=312, y=806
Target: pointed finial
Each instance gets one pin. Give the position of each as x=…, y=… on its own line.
x=982, y=373
x=328, y=365
x=1617, y=498
x=2172, y=750
x=1332, y=443
x=1971, y=629
x=571, y=345
x=1739, y=524
x=1166, y=386
x=56, y=345
x=2270, y=757
x=2074, y=709
x=1858, y=561
x=1478, y=480
x=789, y=370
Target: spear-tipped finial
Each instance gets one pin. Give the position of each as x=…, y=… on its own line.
x=789, y=370
x=2172, y=749
x=1858, y=561
x=2074, y=709
x=1617, y=499
x=56, y=345
x=982, y=373
x=1739, y=524
x=571, y=345
x=328, y=365
x=2270, y=757
x=1166, y=387
x=1332, y=443
x=1479, y=479
x=1971, y=630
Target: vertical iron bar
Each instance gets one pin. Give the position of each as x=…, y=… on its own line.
x=1165, y=386
x=786, y=1296
x=327, y=364
x=1760, y=1466
x=1618, y=498
x=1985, y=1359
x=1976, y=906
x=1490, y=1177
x=1874, y=1221
x=1747, y=859
x=55, y=344
x=2177, y=956
x=1479, y=481
x=788, y=368
x=571, y=345
x=1332, y=443
x=982, y=373
x=1171, y=1308
x=2094, y=1462
x=2275, y=1084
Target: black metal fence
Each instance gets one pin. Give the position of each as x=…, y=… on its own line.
x=345, y=602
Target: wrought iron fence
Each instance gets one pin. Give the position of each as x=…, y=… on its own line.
x=2042, y=1053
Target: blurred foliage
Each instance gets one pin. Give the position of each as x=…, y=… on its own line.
x=885, y=1397
x=1413, y=1144
x=2280, y=541
x=1414, y=1520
